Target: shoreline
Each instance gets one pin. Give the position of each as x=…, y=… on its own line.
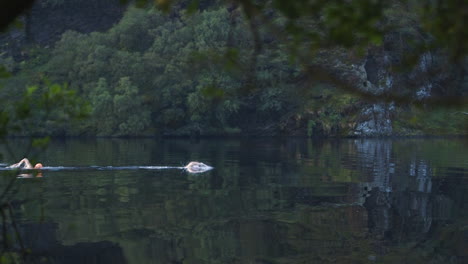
x=208, y=137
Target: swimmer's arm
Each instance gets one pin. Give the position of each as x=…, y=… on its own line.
x=27, y=164
x=12, y=166
x=16, y=165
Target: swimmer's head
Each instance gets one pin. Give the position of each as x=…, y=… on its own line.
x=38, y=166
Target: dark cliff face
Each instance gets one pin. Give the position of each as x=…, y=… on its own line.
x=44, y=23
x=401, y=68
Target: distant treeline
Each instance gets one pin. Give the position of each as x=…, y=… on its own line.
x=198, y=74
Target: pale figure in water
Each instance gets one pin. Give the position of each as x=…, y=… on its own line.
x=197, y=167
x=25, y=164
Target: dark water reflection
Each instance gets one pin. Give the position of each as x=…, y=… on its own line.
x=266, y=201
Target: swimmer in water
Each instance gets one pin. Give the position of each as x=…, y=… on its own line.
x=25, y=164
x=197, y=167
x=192, y=167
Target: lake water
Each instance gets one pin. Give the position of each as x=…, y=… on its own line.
x=266, y=201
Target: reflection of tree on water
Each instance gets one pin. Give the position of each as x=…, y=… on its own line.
x=44, y=247
x=36, y=242
x=295, y=203
x=375, y=159
x=401, y=201
x=396, y=198
x=414, y=204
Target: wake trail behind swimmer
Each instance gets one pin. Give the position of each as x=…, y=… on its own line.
x=192, y=167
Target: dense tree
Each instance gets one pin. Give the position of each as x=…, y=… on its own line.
x=103, y=110
x=130, y=114
x=245, y=68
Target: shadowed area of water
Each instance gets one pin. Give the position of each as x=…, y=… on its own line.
x=266, y=201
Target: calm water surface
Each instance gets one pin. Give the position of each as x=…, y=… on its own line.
x=266, y=201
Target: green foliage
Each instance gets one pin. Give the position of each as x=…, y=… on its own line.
x=438, y=121
x=310, y=127
x=118, y=112
x=41, y=142
x=39, y=110
x=175, y=93
x=353, y=23
x=446, y=22
x=102, y=105
x=132, y=117
x=4, y=73
x=197, y=70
